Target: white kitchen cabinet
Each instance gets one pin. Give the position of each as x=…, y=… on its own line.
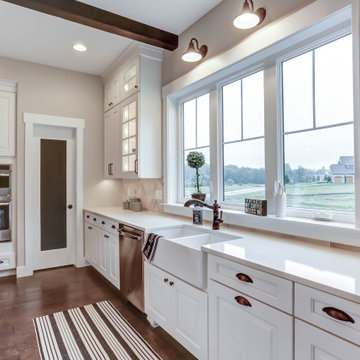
x=114, y=266
x=129, y=79
x=178, y=308
x=7, y=123
x=314, y=344
x=133, y=143
x=112, y=140
x=241, y=327
x=102, y=248
x=89, y=233
x=104, y=263
x=112, y=92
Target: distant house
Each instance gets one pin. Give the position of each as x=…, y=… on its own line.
x=343, y=171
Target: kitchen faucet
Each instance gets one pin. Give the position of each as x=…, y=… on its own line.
x=215, y=208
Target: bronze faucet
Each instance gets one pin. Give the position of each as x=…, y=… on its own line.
x=215, y=208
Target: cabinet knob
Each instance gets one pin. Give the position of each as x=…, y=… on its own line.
x=244, y=278
x=171, y=283
x=87, y=216
x=338, y=314
x=103, y=222
x=94, y=219
x=166, y=280
x=113, y=227
x=70, y=206
x=136, y=87
x=242, y=301
x=110, y=104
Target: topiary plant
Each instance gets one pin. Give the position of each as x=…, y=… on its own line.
x=196, y=160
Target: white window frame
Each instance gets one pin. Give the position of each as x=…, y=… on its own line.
x=337, y=216
x=274, y=40
x=220, y=186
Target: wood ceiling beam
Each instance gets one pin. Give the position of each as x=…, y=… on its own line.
x=88, y=15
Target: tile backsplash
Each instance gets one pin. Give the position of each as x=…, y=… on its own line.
x=145, y=190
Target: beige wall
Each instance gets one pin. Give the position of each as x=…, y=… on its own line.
x=215, y=29
x=47, y=90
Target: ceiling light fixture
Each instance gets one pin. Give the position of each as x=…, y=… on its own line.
x=79, y=47
x=194, y=53
x=248, y=18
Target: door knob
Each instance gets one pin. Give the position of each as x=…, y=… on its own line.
x=70, y=206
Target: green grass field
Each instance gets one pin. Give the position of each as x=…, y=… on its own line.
x=309, y=196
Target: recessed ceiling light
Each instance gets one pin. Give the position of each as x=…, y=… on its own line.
x=80, y=47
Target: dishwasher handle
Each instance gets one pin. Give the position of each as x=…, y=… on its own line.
x=128, y=235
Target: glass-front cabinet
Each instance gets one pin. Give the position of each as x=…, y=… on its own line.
x=129, y=137
x=133, y=124
x=130, y=80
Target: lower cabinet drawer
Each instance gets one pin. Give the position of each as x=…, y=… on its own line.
x=7, y=261
x=241, y=327
x=273, y=290
x=332, y=313
x=312, y=343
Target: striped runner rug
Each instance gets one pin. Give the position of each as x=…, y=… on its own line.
x=96, y=331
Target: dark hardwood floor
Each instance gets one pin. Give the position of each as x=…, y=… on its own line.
x=54, y=290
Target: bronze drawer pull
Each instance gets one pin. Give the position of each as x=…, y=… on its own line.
x=171, y=283
x=89, y=227
x=106, y=236
x=338, y=314
x=113, y=227
x=244, y=278
x=242, y=301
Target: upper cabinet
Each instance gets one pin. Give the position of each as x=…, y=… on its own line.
x=132, y=120
x=7, y=120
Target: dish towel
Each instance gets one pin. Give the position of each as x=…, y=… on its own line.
x=149, y=246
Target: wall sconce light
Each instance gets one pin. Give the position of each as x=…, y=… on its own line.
x=194, y=53
x=248, y=18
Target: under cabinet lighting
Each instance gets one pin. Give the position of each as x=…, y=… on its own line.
x=80, y=47
x=194, y=53
x=248, y=18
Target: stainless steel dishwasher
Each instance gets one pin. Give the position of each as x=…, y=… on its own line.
x=131, y=265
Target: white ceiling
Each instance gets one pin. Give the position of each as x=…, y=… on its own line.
x=45, y=39
x=174, y=16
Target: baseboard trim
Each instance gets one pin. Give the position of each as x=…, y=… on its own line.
x=24, y=271
x=81, y=263
x=6, y=273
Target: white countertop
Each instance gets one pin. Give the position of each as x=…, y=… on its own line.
x=329, y=269
x=143, y=220
x=324, y=268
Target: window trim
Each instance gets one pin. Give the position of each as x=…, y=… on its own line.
x=181, y=144
x=217, y=180
x=336, y=216
x=317, y=18
x=255, y=68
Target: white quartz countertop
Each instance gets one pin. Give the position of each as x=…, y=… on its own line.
x=143, y=220
x=325, y=268
x=329, y=269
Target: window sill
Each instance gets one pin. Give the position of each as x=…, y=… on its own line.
x=341, y=233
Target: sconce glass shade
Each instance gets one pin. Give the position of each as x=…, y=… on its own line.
x=193, y=53
x=248, y=18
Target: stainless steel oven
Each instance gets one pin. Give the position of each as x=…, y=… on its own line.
x=5, y=181
x=5, y=219
x=5, y=203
